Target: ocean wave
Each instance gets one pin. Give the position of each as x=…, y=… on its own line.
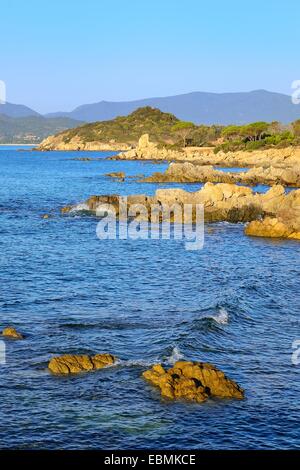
x=211, y=321
x=81, y=207
x=175, y=356
x=222, y=317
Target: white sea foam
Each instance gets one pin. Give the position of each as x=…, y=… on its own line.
x=135, y=362
x=176, y=355
x=80, y=207
x=222, y=317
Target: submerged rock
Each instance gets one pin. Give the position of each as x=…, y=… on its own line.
x=117, y=174
x=193, y=381
x=11, y=332
x=83, y=159
x=75, y=363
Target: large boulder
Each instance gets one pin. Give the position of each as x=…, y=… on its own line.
x=75, y=363
x=284, y=221
x=193, y=381
x=271, y=227
x=273, y=199
x=144, y=142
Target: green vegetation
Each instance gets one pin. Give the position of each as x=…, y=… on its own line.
x=31, y=129
x=183, y=129
x=163, y=128
x=167, y=130
x=127, y=129
x=259, y=135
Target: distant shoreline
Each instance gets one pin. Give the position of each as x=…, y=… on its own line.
x=24, y=145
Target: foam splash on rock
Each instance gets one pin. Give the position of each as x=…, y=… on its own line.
x=175, y=356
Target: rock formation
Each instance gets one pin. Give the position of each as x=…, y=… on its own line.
x=288, y=157
x=72, y=364
x=146, y=150
x=193, y=381
x=11, y=332
x=284, y=224
x=221, y=202
x=271, y=227
x=57, y=142
x=190, y=173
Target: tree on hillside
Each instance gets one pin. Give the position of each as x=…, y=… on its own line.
x=255, y=130
x=203, y=135
x=231, y=132
x=183, y=129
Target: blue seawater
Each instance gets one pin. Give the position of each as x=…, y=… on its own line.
x=234, y=303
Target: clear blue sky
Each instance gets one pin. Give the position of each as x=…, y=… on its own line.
x=59, y=54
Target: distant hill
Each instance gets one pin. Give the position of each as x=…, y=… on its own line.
x=31, y=129
x=17, y=110
x=125, y=130
x=200, y=107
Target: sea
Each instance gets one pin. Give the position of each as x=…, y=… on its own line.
x=234, y=303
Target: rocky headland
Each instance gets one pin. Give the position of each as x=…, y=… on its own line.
x=58, y=142
x=121, y=133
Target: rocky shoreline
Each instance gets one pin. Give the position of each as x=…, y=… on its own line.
x=222, y=202
x=287, y=157
x=192, y=165
x=274, y=214
x=190, y=173
x=196, y=164
x=57, y=142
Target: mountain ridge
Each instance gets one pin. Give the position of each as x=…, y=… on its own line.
x=199, y=107
x=17, y=110
x=32, y=128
